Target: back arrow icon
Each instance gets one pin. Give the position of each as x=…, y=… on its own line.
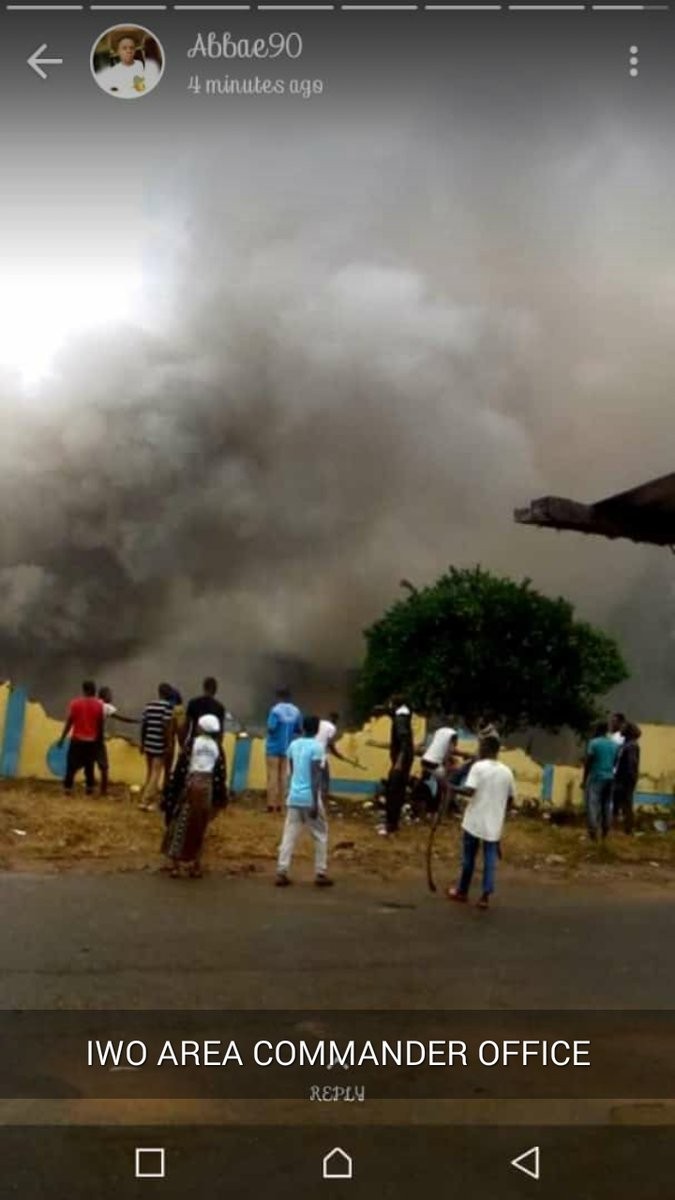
x=533, y=1167
x=38, y=63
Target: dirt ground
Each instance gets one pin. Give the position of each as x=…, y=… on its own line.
x=42, y=830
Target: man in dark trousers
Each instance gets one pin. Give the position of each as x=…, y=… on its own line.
x=84, y=723
x=626, y=774
x=401, y=755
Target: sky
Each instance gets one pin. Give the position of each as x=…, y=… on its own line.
x=258, y=364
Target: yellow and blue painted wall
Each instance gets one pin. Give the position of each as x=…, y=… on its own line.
x=29, y=736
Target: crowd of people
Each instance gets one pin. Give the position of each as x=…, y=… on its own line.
x=186, y=768
x=186, y=771
x=448, y=776
x=186, y=774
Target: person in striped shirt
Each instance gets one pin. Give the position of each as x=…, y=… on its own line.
x=156, y=736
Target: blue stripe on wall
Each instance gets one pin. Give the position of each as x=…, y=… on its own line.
x=547, y=784
x=354, y=787
x=15, y=718
x=240, y=764
x=653, y=798
x=465, y=735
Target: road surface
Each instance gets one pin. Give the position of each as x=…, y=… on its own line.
x=142, y=940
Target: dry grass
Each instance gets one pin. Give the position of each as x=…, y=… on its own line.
x=41, y=829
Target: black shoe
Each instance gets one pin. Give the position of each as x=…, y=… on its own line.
x=323, y=881
x=282, y=880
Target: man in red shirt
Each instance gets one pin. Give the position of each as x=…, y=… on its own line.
x=84, y=723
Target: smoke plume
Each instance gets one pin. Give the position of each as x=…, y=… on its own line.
x=348, y=374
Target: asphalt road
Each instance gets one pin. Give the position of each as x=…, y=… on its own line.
x=144, y=941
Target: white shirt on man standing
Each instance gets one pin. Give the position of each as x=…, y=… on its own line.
x=493, y=784
x=325, y=737
x=439, y=747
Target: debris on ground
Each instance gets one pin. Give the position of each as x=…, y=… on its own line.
x=41, y=829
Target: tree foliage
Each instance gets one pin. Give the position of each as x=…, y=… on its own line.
x=474, y=644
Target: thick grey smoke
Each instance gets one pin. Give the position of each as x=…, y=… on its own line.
x=353, y=373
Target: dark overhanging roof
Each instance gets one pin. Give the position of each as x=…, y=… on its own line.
x=643, y=514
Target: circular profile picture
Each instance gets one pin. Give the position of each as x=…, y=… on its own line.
x=127, y=61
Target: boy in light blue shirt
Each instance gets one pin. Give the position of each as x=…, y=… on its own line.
x=304, y=805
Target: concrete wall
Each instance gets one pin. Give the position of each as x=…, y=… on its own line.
x=28, y=737
x=656, y=784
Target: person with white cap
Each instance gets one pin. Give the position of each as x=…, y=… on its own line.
x=197, y=789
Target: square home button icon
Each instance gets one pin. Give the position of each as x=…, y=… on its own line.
x=150, y=1162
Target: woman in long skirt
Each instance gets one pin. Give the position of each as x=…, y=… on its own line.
x=197, y=789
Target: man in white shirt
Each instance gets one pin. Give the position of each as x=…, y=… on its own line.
x=440, y=762
x=490, y=789
x=109, y=710
x=326, y=737
x=127, y=78
x=328, y=727
x=437, y=761
x=438, y=754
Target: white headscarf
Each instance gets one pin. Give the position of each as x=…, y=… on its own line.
x=209, y=723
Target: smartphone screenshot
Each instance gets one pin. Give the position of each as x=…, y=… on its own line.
x=337, y=718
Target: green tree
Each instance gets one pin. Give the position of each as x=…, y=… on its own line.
x=475, y=644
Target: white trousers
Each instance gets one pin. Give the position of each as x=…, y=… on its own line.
x=296, y=820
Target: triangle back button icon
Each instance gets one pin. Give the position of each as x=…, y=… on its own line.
x=528, y=1162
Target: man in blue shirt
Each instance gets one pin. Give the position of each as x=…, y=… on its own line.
x=304, y=804
x=284, y=722
x=598, y=778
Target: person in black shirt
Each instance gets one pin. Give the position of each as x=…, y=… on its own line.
x=626, y=773
x=401, y=755
x=201, y=706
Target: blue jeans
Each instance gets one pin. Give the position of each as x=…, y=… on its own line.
x=599, y=806
x=470, y=846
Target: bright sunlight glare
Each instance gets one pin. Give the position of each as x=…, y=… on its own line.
x=41, y=309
